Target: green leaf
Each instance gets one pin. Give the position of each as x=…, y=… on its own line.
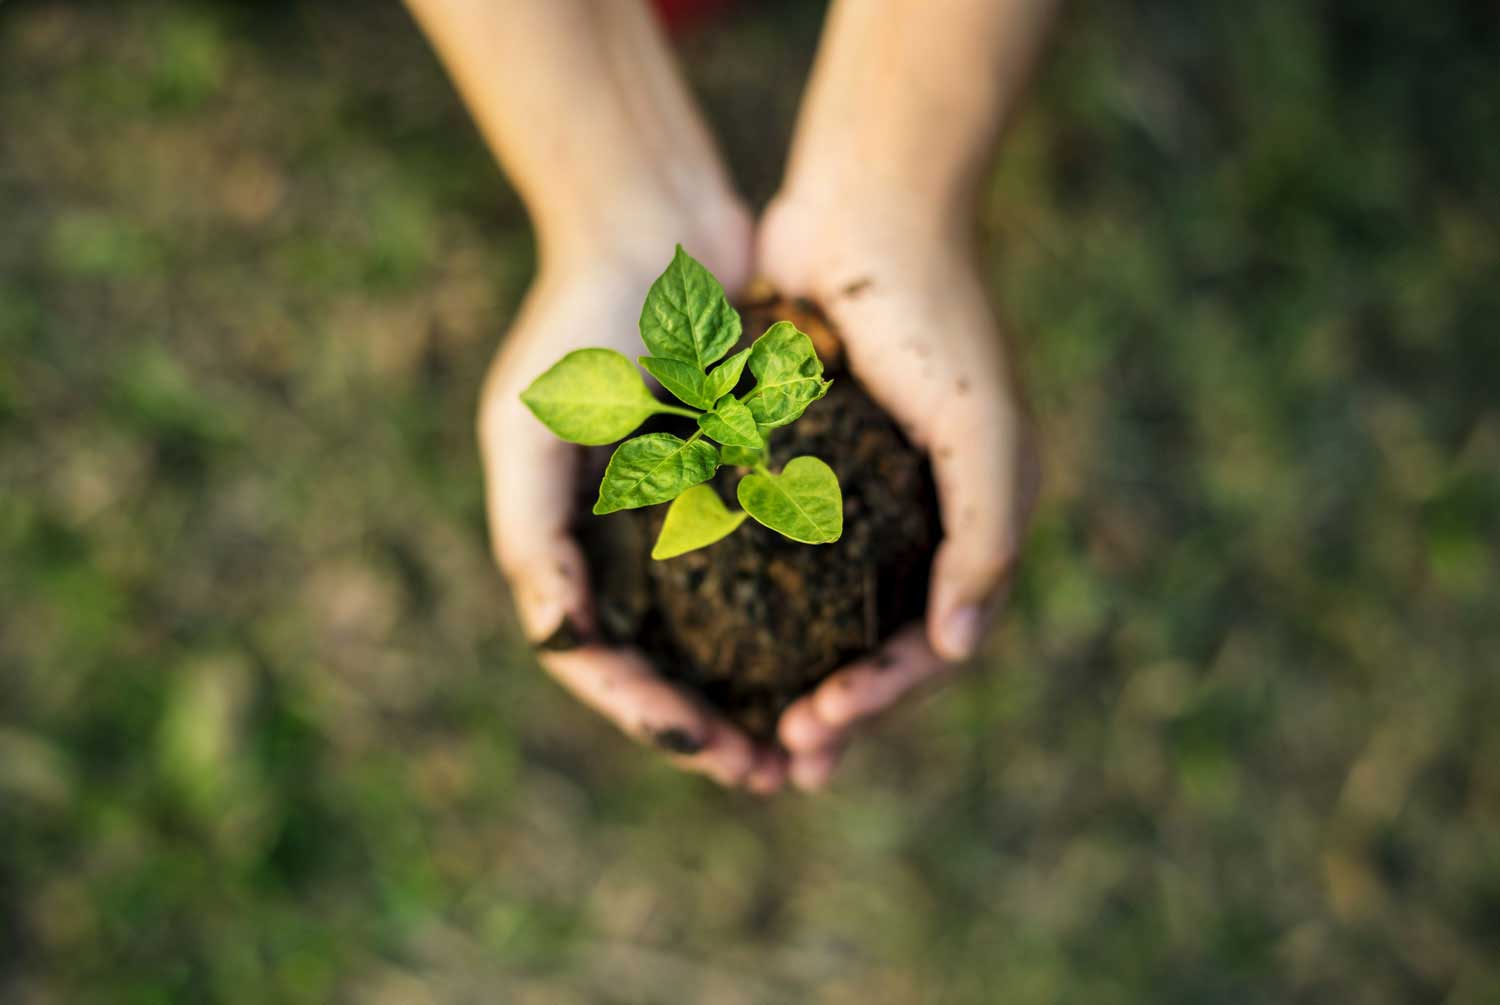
x=696, y=519
x=686, y=315
x=654, y=468
x=591, y=396
x=803, y=502
x=741, y=457
x=788, y=373
x=685, y=381
x=732, y=425
x=724, y=377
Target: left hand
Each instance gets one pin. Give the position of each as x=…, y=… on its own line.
x=905, y=294
x=594, y=300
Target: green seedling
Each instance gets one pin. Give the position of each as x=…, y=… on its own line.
x=595, y=396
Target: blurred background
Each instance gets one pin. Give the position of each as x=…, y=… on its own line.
x=266, y=730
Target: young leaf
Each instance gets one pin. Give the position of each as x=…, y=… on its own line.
x=684, y=380
x=732, y=425
x=591, y=396
x=803, y=502
x=724, y=377
x=686, y=315
x=741, y=457
x=696, y=519
x=654, y=468
x=788, y=373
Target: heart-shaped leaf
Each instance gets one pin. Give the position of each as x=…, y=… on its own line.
x=732, y=425
x=686, y=315
x=724, y=377
x=788, y=373
x=591, y=396
x=685, y=381
x=803, y=502
x=654, y=468
x=696, y=519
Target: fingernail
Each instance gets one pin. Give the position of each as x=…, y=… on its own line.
x=961, y=632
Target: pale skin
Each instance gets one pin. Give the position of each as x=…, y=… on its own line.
x=583, y=106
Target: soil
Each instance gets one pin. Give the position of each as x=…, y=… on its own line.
x=755, y=620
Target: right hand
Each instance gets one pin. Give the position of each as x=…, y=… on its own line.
x=907, y=297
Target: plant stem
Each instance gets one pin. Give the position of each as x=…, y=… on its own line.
x=674, y=410
x=761, y=467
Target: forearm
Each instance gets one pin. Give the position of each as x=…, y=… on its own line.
x=583, y=107
x=908, y=97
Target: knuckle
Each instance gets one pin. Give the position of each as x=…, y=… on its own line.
x=514, y=565
x=837, y=709
x=485, y=421
x=492, y=416
x=995, y=564
x=733, y=772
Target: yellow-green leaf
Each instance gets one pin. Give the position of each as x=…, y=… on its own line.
x=591, y=396
x=685, y=381
x=741, y=457
x=732, y=425
x=788, y=374
x=724, y=377
x=803, y=502
x=696, y=519
x=652, y=469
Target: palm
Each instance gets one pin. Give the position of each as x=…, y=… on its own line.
x=922, y=338
x=530, y=478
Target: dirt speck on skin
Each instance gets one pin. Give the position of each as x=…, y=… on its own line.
x=755, y=621
x=675, y=741
x=858, y=286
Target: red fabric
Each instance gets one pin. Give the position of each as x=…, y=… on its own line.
x=680, y=14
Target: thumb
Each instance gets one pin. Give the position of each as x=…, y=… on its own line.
x=549, y=582
x=529, y=479
x=987, y=486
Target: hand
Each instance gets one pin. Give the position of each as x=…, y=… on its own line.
x=577, y=302
x=902, y=288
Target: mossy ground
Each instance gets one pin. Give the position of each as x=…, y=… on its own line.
x=266, y=731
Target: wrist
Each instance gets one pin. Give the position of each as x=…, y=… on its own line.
x=882, y=202
x=825, y=243
x=635, y=229
x=866, y=220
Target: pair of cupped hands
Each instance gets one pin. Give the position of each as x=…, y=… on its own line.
x=902, y=287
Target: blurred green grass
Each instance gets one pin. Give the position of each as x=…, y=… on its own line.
x=266, y=733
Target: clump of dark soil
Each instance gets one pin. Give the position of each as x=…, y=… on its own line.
x=755, y=621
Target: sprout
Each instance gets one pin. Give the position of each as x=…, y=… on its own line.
x=594, y=396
